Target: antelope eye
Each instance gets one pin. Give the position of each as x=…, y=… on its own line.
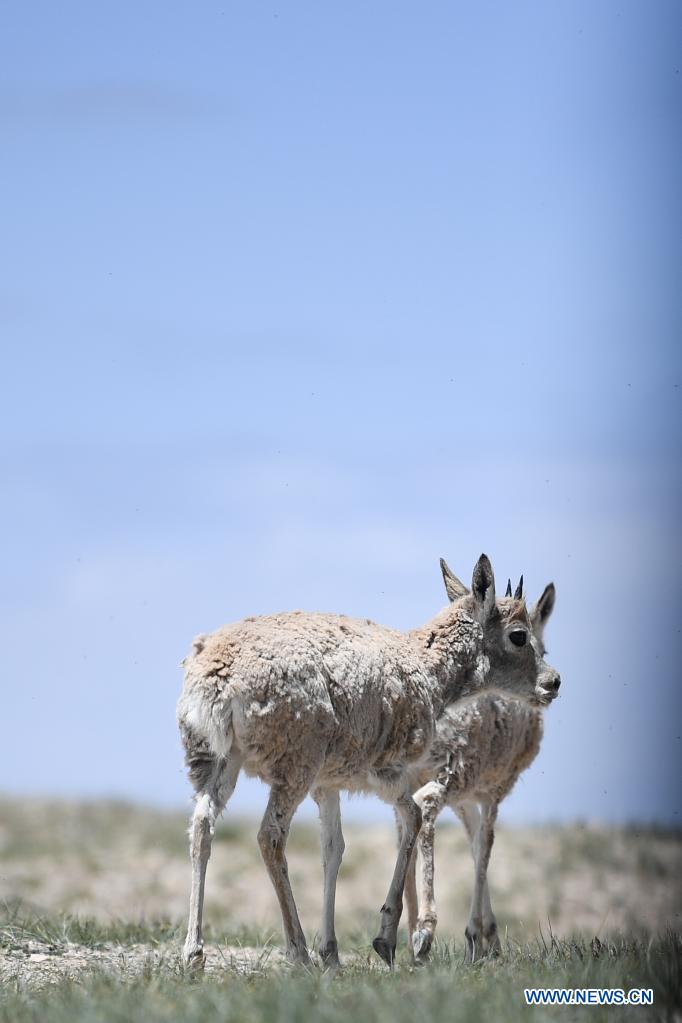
x=518, y=637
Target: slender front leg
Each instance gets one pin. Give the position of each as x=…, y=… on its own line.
x=431, y=799
x=211, y=800
x=272, y=839
x=332, y=854
x=483, y=845
x=385, y=942
x=410, y=880
x=470, y=816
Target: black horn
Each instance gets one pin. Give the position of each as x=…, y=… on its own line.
x=519, y=590
x=508, y=590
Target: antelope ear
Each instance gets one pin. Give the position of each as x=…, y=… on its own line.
x=454, y=587
x=539, y=616
x=483, y=588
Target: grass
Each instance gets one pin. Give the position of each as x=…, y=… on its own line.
x=160, y=989
x=96, y=895
x=19, y=927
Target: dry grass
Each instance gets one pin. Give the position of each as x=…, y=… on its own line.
x=95, y=900
x=112, y=861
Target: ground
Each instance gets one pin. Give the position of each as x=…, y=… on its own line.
x=94, y=899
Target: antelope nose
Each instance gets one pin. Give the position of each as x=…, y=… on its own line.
x=556, y=682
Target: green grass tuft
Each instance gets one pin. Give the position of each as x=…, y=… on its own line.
x=272, y=992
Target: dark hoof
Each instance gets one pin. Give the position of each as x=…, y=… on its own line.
x=386, y=951
x=329, y=954
x=421, y=945
x=195, y=961
x=494, y=943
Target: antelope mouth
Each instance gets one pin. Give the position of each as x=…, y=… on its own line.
x=545, y=696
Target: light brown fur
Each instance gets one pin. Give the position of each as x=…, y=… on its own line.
x=321, y=703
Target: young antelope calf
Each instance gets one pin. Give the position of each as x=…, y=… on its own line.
x=322, y=703
x=482, y=745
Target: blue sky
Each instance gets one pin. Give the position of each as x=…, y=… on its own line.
x=298, y=298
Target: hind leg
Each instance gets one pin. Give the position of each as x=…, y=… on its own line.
x=332, y=853
x=410, y=881
x=470, y=816
x=272, y=839
x=481, y=935
x=411, y=900
x=217, y=778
